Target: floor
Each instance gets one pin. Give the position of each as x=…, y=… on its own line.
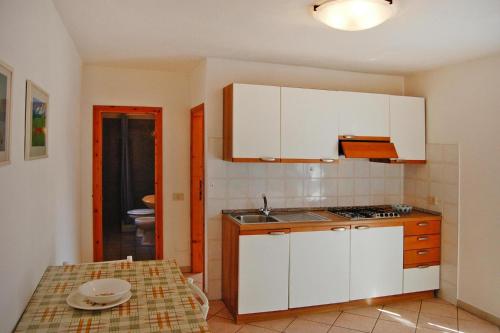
x=429, y=316
x=118, y=245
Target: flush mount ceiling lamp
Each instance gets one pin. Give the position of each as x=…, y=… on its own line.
x=354, y=15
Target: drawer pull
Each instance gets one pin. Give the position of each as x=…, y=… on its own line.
x=423, y=224
x=362, y=227
x=423, y=266
x=339, y=229
x=277, y=233
x=327, y=160
x=268, y=159
x=422, y=253
x=423, y=238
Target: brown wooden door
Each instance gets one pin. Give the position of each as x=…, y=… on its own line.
x=197, y=189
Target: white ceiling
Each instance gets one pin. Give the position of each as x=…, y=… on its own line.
x=174, y=35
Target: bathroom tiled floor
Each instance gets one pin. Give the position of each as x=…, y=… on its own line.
x=428, y=316
x=118, y=245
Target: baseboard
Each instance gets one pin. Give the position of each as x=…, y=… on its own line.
x=479, y=313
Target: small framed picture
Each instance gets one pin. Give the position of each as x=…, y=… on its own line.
x=5, y=110
x=36, y=133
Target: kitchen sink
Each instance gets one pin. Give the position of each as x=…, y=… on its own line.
x=281, y=217
x=255, y=218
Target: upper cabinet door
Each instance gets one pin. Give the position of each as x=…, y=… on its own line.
x=255, y=122
x=309, y=125
x=408, y=126
x=363, y=114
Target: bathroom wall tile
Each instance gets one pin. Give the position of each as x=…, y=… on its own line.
x=275, y=187
x=217, y=188
x=237, y=188
x=422, y=189
x=293, y=170
x=346, y=201
x=275, y=170
x=450, y=173
x=214, y=208
x=214, y=268
x=257, y=170
x=329, y=187
x=392, y=186
x=410, y=187
x=346, y=168
x=214, y=229
x=237, y=170
x=361, y=168
x=312, y=201
x=256, y=187
x=448, y=291
x=214, y=289
x=346, y=187
x=422, y=172
x=216, y=168
x=410, y=171
x=294, y=188
x=377, y=186
x=448, y=272
x=362, y=200
x=361, y=186
x=274, y=203
x=377, y=200
x=392, y=199
x=450, y=154
x=450, y=213
x=312, y=170
x=434, y=152
x=242, y=203
x=435, y=172
x=294, y=202
x=312, y=187
x=450, y=193
x=449, y=252
x=329, y=201
x=330, y=170
x=449, y=233
x=214, y=249
x=393, y=170
x=436, y=190
x=377, y=170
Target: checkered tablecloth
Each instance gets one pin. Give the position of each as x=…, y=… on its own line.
x=161, y=300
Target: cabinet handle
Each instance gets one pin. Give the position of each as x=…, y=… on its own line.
x=348, y=136
x=277, y=233
x=327, y=160
x=423, y=266
x=421, y=253
x=423, y=224
x=362, y=227
x=339, y=229
x=423, y=238
x=268, y=159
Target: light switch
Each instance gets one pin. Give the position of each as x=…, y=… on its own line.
x=178, y=196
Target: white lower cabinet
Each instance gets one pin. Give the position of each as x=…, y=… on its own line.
x=421, y=279
x=376, y=261
x=263, y=272
x=319, y=267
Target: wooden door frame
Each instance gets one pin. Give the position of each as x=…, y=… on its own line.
x=98, y=111
x=200, y=267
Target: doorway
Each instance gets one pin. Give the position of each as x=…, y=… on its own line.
x=197, y=189
x=127, y=183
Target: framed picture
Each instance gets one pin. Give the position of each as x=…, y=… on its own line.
x=5, y=109
x=37, y=109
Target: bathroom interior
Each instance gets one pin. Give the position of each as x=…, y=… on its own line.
x=128, y=216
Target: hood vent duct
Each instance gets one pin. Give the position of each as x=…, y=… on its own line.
x=367, y=147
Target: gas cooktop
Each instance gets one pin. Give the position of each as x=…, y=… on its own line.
x=365, y=212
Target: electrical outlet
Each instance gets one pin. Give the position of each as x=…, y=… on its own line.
x=178, y=196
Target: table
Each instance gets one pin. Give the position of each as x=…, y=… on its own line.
x=161, y=300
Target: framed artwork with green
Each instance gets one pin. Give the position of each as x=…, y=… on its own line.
x=37, y=110
x=5, y=107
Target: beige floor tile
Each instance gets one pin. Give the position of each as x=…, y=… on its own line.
x=434, y=322
x=222, y=325
x=470, y=326
x=436, y=300
x=214, y=307
x=324, y=317
x=368, y=311
x=275, y=324
x=426, y=330
x=336, y=329
x=224, y=313
x=383, y=326
x=439, y=309
x=406, y=305
x=255, y=329
x=464, y=315
x=355, y=322
x=399, y=315
x=302, y=326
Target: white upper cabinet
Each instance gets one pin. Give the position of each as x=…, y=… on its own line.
x=256, y=122
x=407, y=116
x=363, y=114
x=309, y=124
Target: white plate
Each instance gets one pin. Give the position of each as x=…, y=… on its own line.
x=78, y=301
x=105, y=291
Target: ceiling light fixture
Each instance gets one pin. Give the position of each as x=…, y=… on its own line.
x=354, y=15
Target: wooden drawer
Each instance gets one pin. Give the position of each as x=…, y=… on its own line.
x=421, y=279
x=423, y=256
x=422, y=227
x=422, y=242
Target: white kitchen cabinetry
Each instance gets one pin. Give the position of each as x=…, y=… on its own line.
x=421, y=279
x=407, y=116
x=363, y=114
x=319, y=267
x=263, y=272
x=256, y=122
x=309, y=124
x=376, y=261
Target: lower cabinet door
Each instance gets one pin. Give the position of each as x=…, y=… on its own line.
x=376, y=261
x=421, y=279
x=319, y=267
x=263, y=272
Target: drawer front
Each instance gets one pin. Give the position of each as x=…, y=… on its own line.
x=422, y=242
x=421, y=279
x=422, y=227
x=422, y=256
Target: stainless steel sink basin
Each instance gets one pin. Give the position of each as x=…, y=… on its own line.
x=299, y=217
x=255, y=219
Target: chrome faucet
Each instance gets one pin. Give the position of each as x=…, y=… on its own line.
x=266, y=210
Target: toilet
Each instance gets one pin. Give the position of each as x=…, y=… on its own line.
x=141, y=212
x=147, y=225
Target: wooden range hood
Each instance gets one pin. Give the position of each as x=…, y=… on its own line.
x=380, y=148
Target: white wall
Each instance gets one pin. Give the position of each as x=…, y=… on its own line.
x=463, y=104
x=39, y=199
x=129, y=87
x=235, y=185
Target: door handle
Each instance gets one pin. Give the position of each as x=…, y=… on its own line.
x=423, y=224
x=327, y=160
x=423, y=238
x=422, y=253
x=362, y=227
x=268, y=159
x=423, y=266
x=277, y=233
x=339, y=229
